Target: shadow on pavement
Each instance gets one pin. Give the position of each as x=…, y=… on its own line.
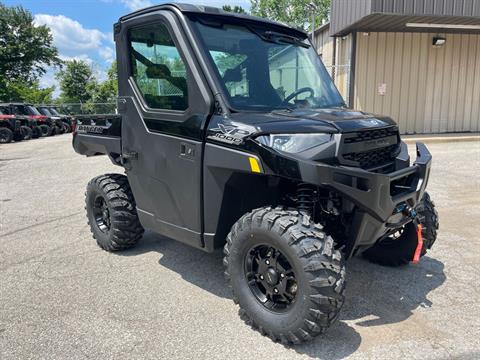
x=375, y=295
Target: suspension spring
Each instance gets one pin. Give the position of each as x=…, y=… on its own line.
x=306, y=198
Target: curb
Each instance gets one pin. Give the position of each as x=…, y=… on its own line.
x=440, y=139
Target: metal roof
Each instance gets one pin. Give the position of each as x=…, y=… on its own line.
x=393, y=15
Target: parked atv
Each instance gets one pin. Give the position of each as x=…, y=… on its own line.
x=62, y=122
x=232, y=134
x=44, y=125
x=67, y=119
x=9, y=128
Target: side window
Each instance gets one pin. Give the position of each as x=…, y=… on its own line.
x=157, y=68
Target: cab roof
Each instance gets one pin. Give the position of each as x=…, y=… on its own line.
x=213, y=11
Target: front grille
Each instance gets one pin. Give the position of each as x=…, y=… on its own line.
x=371, y=135
x=367, y=150
x=374, y=158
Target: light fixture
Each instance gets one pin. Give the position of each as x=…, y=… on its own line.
x=443, y=26
x=439, y=41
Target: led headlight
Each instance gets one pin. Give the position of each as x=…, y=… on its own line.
x=293, y=143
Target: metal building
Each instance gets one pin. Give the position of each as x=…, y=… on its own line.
x=415, y=60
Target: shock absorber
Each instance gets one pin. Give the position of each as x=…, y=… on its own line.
x=306, y=198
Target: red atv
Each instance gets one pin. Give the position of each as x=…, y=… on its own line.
x=10, y=128
x=33, y=123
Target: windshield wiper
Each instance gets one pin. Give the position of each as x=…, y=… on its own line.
x=280, y=38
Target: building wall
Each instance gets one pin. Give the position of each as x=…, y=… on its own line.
x=323, y=43
x=425, y=89
x=340, y=70
x=427, y=7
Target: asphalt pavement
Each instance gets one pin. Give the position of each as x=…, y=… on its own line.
x=61, y=297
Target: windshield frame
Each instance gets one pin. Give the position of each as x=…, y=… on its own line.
x=213, y=70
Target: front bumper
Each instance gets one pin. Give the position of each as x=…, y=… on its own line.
x=376, y=196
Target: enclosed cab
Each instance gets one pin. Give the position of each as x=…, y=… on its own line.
x=232, y=134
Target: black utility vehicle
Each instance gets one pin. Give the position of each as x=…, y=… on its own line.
x=62, y=121
x=232, y=135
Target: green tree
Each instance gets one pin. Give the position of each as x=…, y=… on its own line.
x=293, y=12
x=32, y=93
x=107, y=91
x=77, y=82
x=26, y=50
x=235, y=9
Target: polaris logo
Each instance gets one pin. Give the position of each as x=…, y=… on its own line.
x=378, y=142
x=372, y=122
x=90, y=129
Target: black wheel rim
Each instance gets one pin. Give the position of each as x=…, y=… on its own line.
x=270, y=277
x=101, y=214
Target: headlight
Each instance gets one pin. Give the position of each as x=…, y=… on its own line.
x=293, y=143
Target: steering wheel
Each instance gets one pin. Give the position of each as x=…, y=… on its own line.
x=298, y=92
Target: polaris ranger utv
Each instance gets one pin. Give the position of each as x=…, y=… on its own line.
x=232, y=134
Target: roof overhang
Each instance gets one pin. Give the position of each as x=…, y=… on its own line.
x=382, y=22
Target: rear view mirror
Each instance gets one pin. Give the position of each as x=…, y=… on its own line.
x=233, y=75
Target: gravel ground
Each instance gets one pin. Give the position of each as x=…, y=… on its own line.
x=62, y=297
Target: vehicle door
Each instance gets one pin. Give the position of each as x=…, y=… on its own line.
x=165, y=106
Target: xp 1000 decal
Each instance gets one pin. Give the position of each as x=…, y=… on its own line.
x=229, y=134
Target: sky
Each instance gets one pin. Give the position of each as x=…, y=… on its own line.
x=82, y=29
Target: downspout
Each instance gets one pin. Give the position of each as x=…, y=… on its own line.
x=334, y=59
x=353, y=60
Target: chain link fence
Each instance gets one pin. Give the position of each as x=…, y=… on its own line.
x=88, y=108
x=341, y=76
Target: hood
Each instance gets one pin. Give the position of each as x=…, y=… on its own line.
x=336, y=120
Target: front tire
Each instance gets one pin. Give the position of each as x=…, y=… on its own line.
x=27, y=132
x=112, y=213
x=45, y=130
x=400, y=250
x=300, y=292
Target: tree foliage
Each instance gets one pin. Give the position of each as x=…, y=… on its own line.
x=32, y=93
x=293, y=12
x=107, y=91
x=26, y=51
x=76, y=82
x=235, y=9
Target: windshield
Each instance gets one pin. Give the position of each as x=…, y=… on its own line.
x=265, y=70
x=45, y=111
x=54, y=111
x=33, y=110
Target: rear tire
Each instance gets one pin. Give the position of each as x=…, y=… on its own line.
x=37, y=132
x=112, y=213
x=400, y=251
x=6, y=135
x=66, y=128
x=56, y=130
x=317, y=284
